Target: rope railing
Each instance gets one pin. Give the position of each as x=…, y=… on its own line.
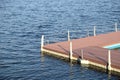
x=74, y=34
x=53, y=38
x=56, y=34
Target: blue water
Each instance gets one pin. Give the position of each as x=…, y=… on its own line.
x=22, y=22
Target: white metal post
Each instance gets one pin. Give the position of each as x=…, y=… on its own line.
x=116, y=27
x=42, y=42
x=94, y=30
x=109, y=60
x=68, y=35
x=88, y=33
x=81, y=53
x=71, y=50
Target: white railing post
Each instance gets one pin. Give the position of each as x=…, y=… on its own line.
x=68, y=35
x=42, y=42
x=81, y=53
x=94, y=30
x=109, y=60
x=116, y=27
x=70, y=51
x=88, y=33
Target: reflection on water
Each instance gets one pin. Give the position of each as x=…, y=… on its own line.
x=42, y=57
x=71, y=71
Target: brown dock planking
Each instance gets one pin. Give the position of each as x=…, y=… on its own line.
x=92, y=48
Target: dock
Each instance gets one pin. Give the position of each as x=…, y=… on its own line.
x=90, y=51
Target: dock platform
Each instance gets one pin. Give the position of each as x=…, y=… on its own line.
x=90, y=51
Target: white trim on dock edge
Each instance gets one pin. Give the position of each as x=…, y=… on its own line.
x=83, y=61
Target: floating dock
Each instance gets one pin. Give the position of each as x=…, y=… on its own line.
x=90, y=51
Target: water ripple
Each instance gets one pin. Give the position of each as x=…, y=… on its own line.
x=22, y=22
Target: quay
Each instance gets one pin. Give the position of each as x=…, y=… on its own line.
x=89, y=51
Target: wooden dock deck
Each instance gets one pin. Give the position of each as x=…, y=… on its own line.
x=89, y=50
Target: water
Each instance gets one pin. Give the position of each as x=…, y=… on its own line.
x=22, y=22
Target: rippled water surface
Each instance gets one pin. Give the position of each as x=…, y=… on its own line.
x=22, y=22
